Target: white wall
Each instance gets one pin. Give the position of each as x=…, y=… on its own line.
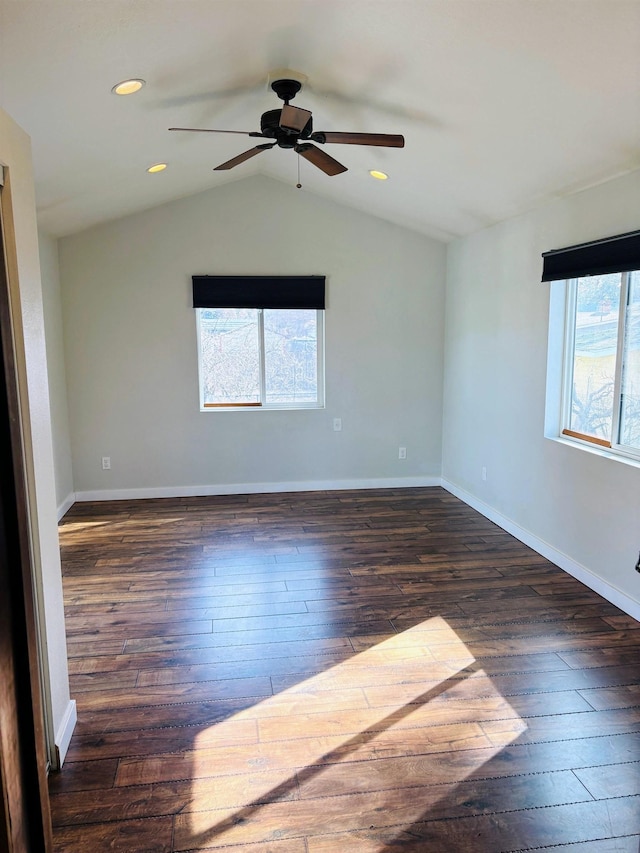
x=131, y=346
x=56, y=369
x=583, y=505
x=18, y=207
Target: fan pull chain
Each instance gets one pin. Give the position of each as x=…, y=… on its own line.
x=299, y=185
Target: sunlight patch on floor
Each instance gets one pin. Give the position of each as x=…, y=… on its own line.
x=409, y=706
x=70, y=530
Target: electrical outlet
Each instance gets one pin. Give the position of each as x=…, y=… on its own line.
x=402, y=453
x=484, y=473
x=337, y=424
x=106, y=463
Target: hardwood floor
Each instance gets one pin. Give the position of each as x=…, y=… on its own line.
x=376, y=671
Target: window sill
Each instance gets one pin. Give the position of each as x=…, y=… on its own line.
x=300, y=408
x=595, y=450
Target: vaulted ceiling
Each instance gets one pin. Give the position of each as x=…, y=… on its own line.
x=503, y=103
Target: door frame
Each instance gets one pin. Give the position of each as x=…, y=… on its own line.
x=25, y=820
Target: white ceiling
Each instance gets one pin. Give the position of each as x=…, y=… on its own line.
x=503, y=103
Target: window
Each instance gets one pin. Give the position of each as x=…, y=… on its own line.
x=602, y=360
x=260, y=341
x=601, y=365
x=260, y=357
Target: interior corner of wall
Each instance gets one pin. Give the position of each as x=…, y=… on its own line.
x=65, y=506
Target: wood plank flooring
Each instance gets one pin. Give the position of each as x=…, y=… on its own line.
x=375, y=671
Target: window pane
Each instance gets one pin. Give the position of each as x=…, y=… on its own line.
x=229, y=355
x=594, y=356
x=290, y=356
x=630, y=404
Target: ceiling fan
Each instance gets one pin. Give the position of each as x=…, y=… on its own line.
x=292, y=127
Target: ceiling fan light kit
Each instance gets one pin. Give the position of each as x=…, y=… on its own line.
x=292, y=127
x=294, y=118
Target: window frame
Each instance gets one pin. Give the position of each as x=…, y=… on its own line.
x=262, y=405
x=612, y=446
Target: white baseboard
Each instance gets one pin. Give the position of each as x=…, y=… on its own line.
x=65, y=730
x=66, y=505
x=566, y=563
x=257, y=488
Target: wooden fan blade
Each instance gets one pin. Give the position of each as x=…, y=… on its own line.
x=209, y=130
x=385, y=140
x=293, y=118
x=320, y=159
x=235, y=161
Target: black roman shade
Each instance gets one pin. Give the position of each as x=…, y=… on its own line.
x=258, y=291
x=613, y=254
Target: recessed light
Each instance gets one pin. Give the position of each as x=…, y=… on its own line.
x=380, y=176
x=158, y=167
x=128, y=87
